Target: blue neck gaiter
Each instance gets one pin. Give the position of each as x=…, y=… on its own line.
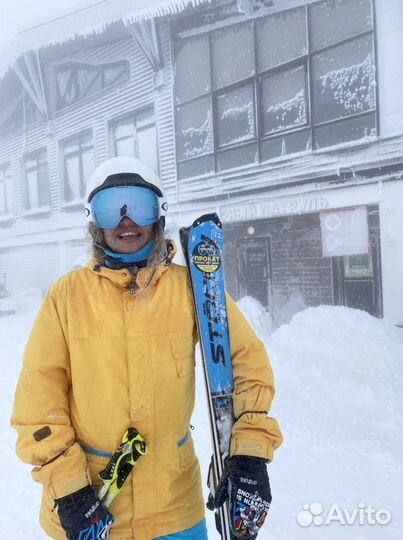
x=129, y=259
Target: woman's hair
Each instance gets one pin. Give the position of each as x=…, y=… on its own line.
x=98, y=246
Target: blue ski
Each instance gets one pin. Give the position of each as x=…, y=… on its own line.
x=202, y=244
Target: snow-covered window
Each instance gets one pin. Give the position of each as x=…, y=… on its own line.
x=78, y=164
x=136, y=135
x=76, y=81
x=6, y=191
x=193, y=111
x=343, y=71
x=36, y=189
x=194, y=128
x=236, y=116
x=333, y=21
x=192, y=68
x=284, y=100
x=344, y=86
x=274, y=85
x=281, y=38
x=232, y=54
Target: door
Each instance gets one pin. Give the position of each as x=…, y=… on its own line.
x=254, y=269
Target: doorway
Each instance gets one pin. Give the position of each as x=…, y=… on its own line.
x=254, y=269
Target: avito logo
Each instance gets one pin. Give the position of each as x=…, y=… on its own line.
x=315, y=514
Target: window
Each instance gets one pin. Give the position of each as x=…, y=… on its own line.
x=284, y=103
x=136, y=135
x=36, y=189
x=6, y=192
x=260, y=89
x=78, y=81
x=358, y=266
x=78, y=164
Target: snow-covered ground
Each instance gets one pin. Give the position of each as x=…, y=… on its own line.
x=339, y=402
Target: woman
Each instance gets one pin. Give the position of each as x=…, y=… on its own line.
x=113, y=347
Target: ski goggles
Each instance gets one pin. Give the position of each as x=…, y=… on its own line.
x=109, y=206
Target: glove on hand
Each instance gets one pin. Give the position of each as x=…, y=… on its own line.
x=82, y=515
x=246, y=483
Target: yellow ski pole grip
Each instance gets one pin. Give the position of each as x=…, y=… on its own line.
x=120, y=465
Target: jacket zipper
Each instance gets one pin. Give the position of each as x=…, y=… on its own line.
x=133, y=282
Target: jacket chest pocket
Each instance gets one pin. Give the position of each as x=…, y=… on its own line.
x=183, y=352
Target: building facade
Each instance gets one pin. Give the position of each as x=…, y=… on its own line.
x=284, y=117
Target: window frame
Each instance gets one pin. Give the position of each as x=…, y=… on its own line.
x=79, y=152
x=257, y=78
x=335, y=46
x=99, y=69
x=6, y=182
x=133, y=116
x=40, y=157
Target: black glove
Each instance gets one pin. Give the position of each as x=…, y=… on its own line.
x=246, y=483
x=82, y=515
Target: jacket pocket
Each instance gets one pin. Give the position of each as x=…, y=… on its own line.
x=183, y=352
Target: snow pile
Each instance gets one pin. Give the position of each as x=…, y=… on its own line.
x=339, y=376
x=284, y=311
x=20, y=496
x=257, y=316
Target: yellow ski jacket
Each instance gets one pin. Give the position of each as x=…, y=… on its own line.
x=99, y=360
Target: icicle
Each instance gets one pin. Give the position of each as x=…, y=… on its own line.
x=283, y=147
x=48, y=36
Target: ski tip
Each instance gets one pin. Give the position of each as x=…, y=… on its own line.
x=208, y=217
x=184, y=236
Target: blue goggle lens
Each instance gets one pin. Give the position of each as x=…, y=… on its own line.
x=111, y=205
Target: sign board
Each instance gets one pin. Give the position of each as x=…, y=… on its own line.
x=283, y=206
x=256, y=262
x=344, y=232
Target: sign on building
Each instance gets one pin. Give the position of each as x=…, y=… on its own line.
x=344, y=232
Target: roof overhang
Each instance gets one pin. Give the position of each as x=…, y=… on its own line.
x=88, y=21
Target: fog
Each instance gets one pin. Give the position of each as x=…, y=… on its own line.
x=19, y=14
x=285, y=117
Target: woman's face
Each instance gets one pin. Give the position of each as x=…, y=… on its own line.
x=128, y=236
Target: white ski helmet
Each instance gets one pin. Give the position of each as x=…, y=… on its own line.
x=122, y=171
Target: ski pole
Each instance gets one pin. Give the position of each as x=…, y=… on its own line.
x=121, y=465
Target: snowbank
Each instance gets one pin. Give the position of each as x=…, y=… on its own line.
x=257, y=316
x=339, y=376
x=19, y=496
x=339, y=402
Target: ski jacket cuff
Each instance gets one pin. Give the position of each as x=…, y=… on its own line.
x=255, y=435
x=66, y=474
x=251, y=448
